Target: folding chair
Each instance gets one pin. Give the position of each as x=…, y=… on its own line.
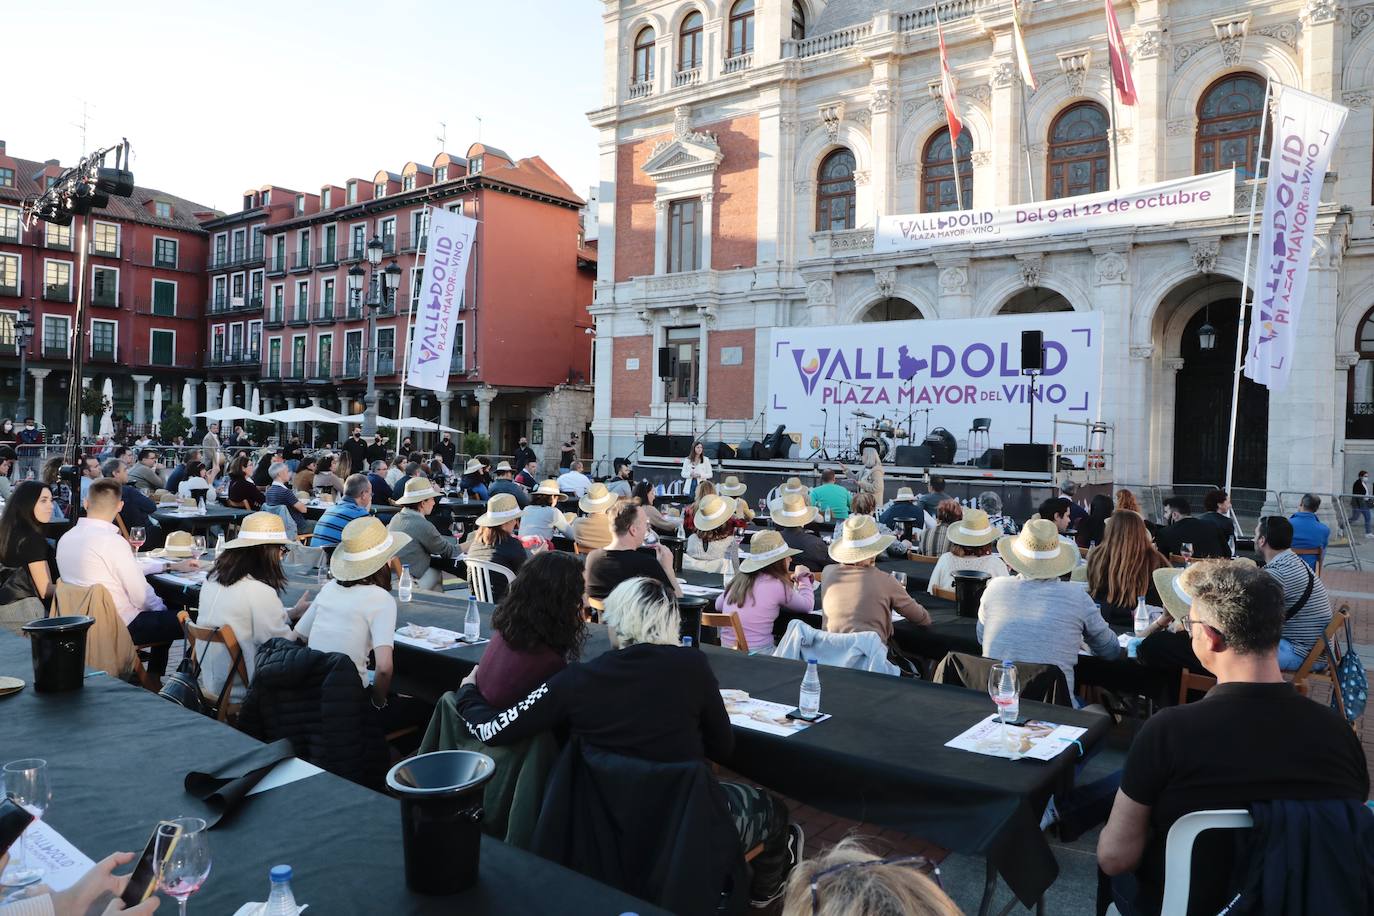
x=479, y=578
x=109, y=646
x=1178, y=853
x=1318, y=653
x=915, y=557
x=1189, y=682
x=594, y=609
x=945, y=593
x=224, y=636
x=1315, y=552
x=719, y=621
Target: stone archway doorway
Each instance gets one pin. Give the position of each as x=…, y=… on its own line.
x=892, y=309
x=1033, y=300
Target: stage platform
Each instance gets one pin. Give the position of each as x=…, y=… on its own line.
x=1021, y=491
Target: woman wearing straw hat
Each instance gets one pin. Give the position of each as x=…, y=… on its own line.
x=496, y=542
x=474, y=481
x=971, y=542
x=243, y=592
x=541, y=517
x=733, y=488
x=791, y=515
x=1035, y=616
x=704, y=489
x=416, y=503
x=709, y=545
x=355, y=613
x=856, y=596
x=593, y=530
x=766, y=584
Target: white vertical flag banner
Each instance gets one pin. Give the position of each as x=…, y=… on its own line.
x=1305, y=129
x=447, y=250
x=1018, y=40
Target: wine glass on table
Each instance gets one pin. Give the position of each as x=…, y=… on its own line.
x=1006, y=695
x=26, y=782
x=138, y=536
x=198, y=546
x=185, y=868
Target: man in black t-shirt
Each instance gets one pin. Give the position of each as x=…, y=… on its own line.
x=608, y=567
x=1253, y=738
x=1185, y=529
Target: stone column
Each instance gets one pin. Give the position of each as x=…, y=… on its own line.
x=38, y=376
x=445, y=401
x=139, y=382
x=661, y=237
x=212, y=401
x=956, y=286
x=708, y=210
x=1150, y=69
x=883, y=99
x=485, y=395
x=1321, y=48
x=1166, y=396
x=191, y=408
x=1007, y=154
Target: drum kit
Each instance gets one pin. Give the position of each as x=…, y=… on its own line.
x=881, y=434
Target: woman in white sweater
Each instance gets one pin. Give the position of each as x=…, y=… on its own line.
x=696, y=467
x=971, y=540
x=243, y=592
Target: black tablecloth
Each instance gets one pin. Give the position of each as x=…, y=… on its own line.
x=224, y=516
x=118, y=756
x=880, y=760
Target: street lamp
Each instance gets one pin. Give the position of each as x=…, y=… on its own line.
x=1207, y=335
x=23, y=332
x=382, y=284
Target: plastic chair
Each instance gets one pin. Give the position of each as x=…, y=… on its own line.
x=479, y=578
x=1178, y=853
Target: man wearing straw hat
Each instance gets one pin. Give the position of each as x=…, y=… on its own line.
x=791, y=515
x=904, y=508
x=1036, y=617
x=416, y=503
x=593, y=530
x=856, y=596
x=792, y=486
x=505, y=484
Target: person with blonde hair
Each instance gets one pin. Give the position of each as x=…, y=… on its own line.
x=1121, y=567
x=848, y=880
x=1125, y=499
x=647, y=698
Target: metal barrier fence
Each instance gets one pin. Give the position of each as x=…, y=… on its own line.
x=1334, y=512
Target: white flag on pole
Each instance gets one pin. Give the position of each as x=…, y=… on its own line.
x=447, y=250
x=1304, y=129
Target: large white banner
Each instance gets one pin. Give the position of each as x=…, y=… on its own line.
x=920, y=375
x=447, y=250
x=1304, y=129
x=1210, y=196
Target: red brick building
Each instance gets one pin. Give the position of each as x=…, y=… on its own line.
x=146, y=279
x=282, y=321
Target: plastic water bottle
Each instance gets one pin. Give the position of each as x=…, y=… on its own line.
x=1142, y=617
x=809, y=704
x=686, y=642
x=281, y=902
x=472, y=621
x=406, y=586
x=1008, y=698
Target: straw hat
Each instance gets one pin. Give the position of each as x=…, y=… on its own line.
x=793, y=486
x=547, y=488
x=418, y=489
x=598, y=499
x=904, y=495
x=731, y=487
x=712, y=512
x=974, y=530
x=474, y=466
x=258, y=529
x=178, y=544
x=792, y=512
x=501, y=508
x=859, y=539
x=1176, y=600
x=1037, y=552
x=366, y=546
x=765, y=549
x=505, y=466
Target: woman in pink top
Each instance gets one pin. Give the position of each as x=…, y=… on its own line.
x=765, y=584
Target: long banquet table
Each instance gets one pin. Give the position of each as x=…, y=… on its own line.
x=118, y=755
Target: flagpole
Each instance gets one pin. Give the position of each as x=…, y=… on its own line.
x=954, y=159
x=1246, y=289
x=1025, y=141
x=1116, y=155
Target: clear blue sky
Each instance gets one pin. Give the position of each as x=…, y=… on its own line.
x=220, y=97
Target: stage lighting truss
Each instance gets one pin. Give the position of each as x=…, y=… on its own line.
x=84, y=187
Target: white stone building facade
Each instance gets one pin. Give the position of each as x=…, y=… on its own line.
x=721, y=215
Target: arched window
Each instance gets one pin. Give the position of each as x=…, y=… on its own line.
x=742, y=28
x=1079, y=155
x=937, y=173
x=798, y=21
x=689, y=43
x=835, y=192
x=1228, y=124
x=644, y=56
x=1359, y=408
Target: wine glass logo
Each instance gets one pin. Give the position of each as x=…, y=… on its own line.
x=809, y=369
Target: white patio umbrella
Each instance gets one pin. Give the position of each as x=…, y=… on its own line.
x=157, y=406
x=227, y=415
x=107, y=418
x=186, y=399
x=415, y=423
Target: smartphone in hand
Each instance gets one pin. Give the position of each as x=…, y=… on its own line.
x=143, y=881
